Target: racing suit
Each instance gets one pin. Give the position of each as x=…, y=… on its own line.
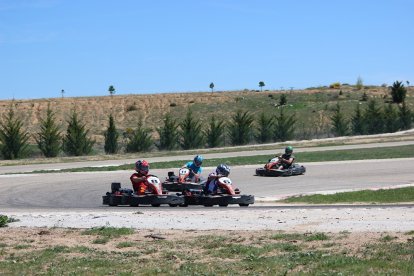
x=211, y=184
x=284, y=165
x=194, y=169
x=138, y=182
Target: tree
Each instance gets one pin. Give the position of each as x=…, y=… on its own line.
x=373, y=118
x=168, y=133
x=214, y=133
x=191, y=132
x=212, y=87
x=359, y=83
x=339, y=123
x=49, y=139
x=264, y=128
x=240, y=128
x=76, y=141
x=13, y=139
x=391, y=120
x=111, y=137
x=111, y=90
x=398, y=92
x=357, y=122
x=261, y=84
x=140, y=140
x=283, y=100
x=405, y=116
x=284, y=126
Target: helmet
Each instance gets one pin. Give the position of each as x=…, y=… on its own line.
x=142, y=167
x=198, y=160
x=223, y=169
x=289, y=150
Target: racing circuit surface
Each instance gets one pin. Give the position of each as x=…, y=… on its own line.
x=85, y=189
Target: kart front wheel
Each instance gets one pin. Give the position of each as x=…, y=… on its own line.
x=243, y=204
x=155, y=205
x=223, y=205
x=173, y=205
x=183, y=205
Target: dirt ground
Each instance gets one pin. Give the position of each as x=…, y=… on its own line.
x=42, y=238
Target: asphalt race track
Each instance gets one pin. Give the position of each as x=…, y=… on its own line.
x=85, y=190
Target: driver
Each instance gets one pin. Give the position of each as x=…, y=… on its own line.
x=139, y=178
x=211, y=184
x=286, y=160
x=195, y=168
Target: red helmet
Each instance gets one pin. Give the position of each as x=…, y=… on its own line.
x=142, y=167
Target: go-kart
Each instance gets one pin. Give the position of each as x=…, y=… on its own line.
x=226, y=194
x=271, y=169
x=155, y=195
x=181, y=182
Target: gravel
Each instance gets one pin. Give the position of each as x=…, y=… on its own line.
x=286, y=218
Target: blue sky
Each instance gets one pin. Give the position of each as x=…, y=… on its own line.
x=157, y=46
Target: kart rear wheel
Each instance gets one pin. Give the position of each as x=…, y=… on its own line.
x=155, y=205
x=223, y=205
x=173, y=205
x=183, y=205
x=243, y=204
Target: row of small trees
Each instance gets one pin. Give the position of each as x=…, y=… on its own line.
x=14, y=139
x=373, y=120
x=187, y=134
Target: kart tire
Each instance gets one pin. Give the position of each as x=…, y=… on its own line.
x=223, y=205
x=183, y=205
x=134, y=205
x=173, y=205
x=208, y=205
x=155, y=205
x=243, y=204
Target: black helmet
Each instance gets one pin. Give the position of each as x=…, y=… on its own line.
x=289, y=150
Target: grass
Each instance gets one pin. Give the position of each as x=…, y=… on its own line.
x=379, y=196
x=319, y=156
x=260, y=254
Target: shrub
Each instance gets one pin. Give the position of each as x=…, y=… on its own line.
x=214, y=133
x=240, y=128
x=264, y=128
x=335, y=85
x=359, y=84
x=339, y=123
x=284, y=126
x=131, y=108
x=3, y=220
x=398, y=92
x=168, y=133
x=191, y=132
x=49, y=138
x=111, y=137
x=76, y=141
x=140, y=139
x=13, y=139
x=283, y=100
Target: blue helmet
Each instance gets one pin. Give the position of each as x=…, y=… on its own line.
x=223, y=169
x=198, y=160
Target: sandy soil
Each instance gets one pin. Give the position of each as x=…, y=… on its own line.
x=42, y=238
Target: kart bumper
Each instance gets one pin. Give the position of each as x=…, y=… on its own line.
x=135, y=200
